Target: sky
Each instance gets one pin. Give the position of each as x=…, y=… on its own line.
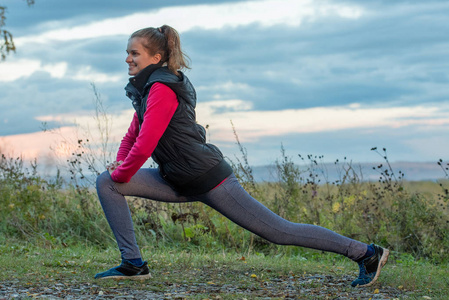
x=329, y=78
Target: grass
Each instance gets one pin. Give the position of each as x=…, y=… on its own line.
x=53, y=234
x=196, y=273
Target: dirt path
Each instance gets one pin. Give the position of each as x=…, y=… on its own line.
x=308, y=287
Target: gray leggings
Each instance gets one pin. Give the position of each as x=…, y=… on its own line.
x=230, y=199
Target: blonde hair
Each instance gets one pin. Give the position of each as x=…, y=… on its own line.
x=165, y=41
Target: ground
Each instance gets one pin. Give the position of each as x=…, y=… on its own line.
x=250, y=287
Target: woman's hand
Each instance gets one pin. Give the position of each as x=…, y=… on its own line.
x=112, y=166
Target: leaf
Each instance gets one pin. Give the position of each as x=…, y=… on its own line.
x=189, y=232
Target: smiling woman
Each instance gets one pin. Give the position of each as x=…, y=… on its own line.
x=189, y=169
x=284, y=71
x=138, y=58
x=166, y=49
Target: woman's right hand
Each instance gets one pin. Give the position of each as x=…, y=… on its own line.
x=112, y=166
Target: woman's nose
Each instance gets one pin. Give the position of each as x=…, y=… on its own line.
x=128, y=59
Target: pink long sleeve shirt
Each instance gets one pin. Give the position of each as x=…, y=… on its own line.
x=138, y=145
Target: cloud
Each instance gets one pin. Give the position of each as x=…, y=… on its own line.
x=86, y=73
x=13, y=70
x=351, y=130
x=300, y=65
x=62, y=141
x=210, y=17
x=256, y=125
x=56, y=14
x=30, y=145
x=382, y=58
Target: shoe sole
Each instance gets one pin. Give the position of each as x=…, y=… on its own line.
x=135, y=277
x=383, y=260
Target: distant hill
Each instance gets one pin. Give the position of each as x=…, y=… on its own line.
x=414, y=171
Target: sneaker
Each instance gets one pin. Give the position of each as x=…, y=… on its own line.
x=126, y=270
x=370, y=267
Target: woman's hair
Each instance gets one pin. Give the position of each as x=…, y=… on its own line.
x=165, y=41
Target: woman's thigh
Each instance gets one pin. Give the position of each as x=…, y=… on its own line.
x=231, y=200
x=146, y=183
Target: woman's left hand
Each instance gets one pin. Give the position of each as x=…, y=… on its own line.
x=112, y=166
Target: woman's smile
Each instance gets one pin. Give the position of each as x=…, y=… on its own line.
x=138, y=58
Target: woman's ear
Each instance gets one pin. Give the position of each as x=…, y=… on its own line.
x=156, y=59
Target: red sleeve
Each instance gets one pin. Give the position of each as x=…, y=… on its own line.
x=161, y=105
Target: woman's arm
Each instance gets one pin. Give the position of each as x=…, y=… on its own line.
x=161, y=105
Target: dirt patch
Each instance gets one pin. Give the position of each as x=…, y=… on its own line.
x=280, y=287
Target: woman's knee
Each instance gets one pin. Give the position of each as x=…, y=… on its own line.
x=104, y=179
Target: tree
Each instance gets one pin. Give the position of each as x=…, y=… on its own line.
x=6, y=38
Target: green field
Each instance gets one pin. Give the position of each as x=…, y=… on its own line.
x=187, y=272
x=53, y=234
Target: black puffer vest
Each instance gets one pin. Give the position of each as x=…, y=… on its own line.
x=189, y=164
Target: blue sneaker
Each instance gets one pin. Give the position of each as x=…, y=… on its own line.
x=126, y=270
x=370, y=267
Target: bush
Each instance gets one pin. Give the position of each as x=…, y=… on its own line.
x=54, y=212
x=39, y=210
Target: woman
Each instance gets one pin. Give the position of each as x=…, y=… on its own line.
x=164, y=127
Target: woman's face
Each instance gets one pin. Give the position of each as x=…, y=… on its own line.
x=138, y=58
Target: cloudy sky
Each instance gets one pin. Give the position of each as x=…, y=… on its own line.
x=332, y=78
